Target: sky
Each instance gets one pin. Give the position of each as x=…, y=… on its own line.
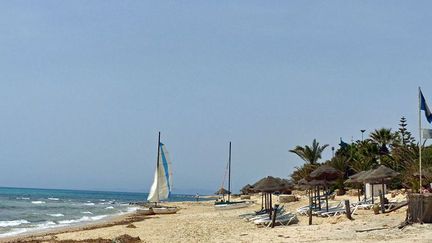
x=85, y=86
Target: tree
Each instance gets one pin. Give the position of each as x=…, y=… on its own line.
x=311, y=154
x=404, y=135
x=383, y=137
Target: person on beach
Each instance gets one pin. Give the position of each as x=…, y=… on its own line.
x=197, y=197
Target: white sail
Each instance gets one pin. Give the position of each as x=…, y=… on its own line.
x=162, y=182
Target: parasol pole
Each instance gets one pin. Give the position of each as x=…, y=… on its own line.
x=420, y=143
x=229, y=173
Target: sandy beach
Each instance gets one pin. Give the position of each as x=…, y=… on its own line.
x=200, y=222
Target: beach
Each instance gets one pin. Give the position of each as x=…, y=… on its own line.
x=200, y=222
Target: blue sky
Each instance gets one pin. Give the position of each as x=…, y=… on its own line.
x=86, y=86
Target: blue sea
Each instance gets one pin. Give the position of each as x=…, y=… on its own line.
x=24, y=210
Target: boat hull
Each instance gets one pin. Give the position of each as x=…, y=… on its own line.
x=231, y=205
x=165, y=210
x=145, y=211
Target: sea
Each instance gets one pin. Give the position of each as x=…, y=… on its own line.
x=26, y=210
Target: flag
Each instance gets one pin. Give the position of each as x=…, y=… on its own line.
x=427, y=133
x=423, y=106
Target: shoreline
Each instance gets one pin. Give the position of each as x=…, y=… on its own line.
x=105, y=222
x=200, y=222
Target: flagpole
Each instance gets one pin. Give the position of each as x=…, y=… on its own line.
x=420, y=142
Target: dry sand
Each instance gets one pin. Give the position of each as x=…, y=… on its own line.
x=200, y=222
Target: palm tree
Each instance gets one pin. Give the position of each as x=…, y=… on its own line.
x=311, y=154
x=383, y=137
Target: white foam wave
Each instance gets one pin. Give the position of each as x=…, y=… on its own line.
x=53, y=198
x=110, y=207
x=86, y=212
x=13, y=223
x=14, y=232
x=38, y=202
x=89, y=204
x=46, y=224
x=23, y=198
x=83, y=219
x=55, y=215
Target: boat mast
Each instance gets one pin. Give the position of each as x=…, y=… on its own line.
x=229, y=173
x=157, y=166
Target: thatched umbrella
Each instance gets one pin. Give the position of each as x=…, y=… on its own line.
x=323, y=176
x=326, y=172
x=267, y=186
x=286, y=186
x=357, y=179
x=222, y=192
x=381, y=174
x=246, y=189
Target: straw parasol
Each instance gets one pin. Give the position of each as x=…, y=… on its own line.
x=322, y=176
x=222, y=191
x=247, y=189
x=326, y=172
x=381, y=174
x=268, y=184
x=357, y=179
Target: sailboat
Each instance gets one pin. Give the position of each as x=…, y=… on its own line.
x=221, y=205
x=162, y=182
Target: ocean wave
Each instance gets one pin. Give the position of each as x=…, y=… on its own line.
x=55, y=214
x=83, y=219
x=23, y=198
x=110, y=207
x=86, y=212
x=38, y=202
x=47, y=224
x=53, y=198
x=14, y=232
x=13, y=223
x=89, y=204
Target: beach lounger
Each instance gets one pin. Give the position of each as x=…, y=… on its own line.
x=264, y=216
x=304, y=210
x=333, y=212
x=284, y=219
x=250, y=216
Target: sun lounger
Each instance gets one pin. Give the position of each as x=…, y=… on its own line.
x=264, y=216
x=304, y=210
x=259, y=214
x=284, y=219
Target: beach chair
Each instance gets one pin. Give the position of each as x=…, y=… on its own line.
x=362, y=205
x=279, y=211
x=333, y=212
x=304, y=210
x=331, y=208
x=283, y=219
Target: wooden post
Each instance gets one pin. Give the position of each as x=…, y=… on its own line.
x=348, y=209
x=274, y=215
x=271, y=204
x=326, y=193
x=372, y=193
x=310, y=209
x=382, y=201
x=319, y=199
